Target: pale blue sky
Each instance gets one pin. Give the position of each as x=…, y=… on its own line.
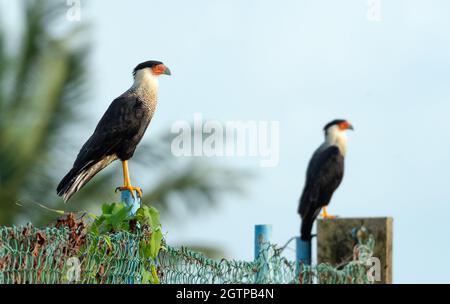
x=302, y=63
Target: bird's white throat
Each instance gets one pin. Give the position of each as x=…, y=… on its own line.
x=336, y=137
x=146, y=82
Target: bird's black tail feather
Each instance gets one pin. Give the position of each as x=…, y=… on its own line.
x=307, y=224
x=69, y=184
x=77, y=178
x=306, y=229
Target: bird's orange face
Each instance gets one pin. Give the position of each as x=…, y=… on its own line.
x=160, y=69
x=345, y=125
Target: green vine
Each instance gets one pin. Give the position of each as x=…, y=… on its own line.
x=115, y=218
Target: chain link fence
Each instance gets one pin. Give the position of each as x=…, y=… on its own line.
x=29, y=255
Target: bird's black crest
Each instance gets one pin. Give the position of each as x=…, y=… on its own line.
x=332, y=123
x=146, y=64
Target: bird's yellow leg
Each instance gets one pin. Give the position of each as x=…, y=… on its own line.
x=325, y=215
x=127, y=182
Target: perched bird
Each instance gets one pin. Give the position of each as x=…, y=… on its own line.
x=119, y=131
x=324, y=174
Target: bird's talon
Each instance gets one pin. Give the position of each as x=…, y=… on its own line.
x=131, y=189
x=327, y=216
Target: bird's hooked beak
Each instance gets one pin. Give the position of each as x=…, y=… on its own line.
x=167, y=71
x=350, y=127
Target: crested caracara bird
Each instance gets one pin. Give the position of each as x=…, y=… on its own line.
x=118, y=132
x=324, y=174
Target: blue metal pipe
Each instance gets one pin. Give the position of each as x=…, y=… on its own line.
x=263, y=234
x=128, y=199
x=303, y=251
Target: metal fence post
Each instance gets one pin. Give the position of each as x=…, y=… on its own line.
x=128, y=199
x=135, y=203
x=302, y=258
x=263, y=234
x=303, y=251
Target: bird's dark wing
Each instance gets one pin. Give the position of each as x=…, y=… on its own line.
x=120, y=122
x=120, y=128
x=324, y=174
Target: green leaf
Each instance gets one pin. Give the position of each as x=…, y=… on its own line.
x=143, y=216
x=115, y=217
x=107, y=208
x=146, y=250
x=154, y=215
x=155, y=243
x=92, y=216
x=154, y=278
x=107, y=240
x=146, y=276
x=119, y=214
